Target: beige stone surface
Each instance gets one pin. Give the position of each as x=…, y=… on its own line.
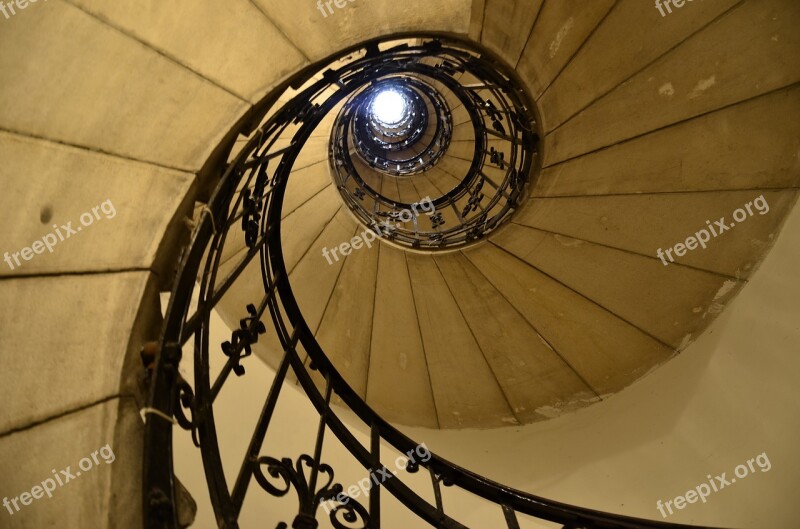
x=108, y=495
x=535, y=378
x=464, y=132
x=314, y=151
x=464, y=388
x=346, y=328
x=135, y=204
x=602, y=64
x=442, y=180
x=242, y=51
x=466, y=150
x=671, y=303
x=758, y=56
x=313, y=279
x=455, y=167
x=476, y=20
x=607, y=351
x=83, y=83
x=304, y=184
x=644, y=223
x=425, y=187
x=752, y=145
x=373, y=179
x=49, y=333
x=507, y=25
x=561, y=28
x=318, y=36
x=304, y=225
x=397, y=356
x=408, y=192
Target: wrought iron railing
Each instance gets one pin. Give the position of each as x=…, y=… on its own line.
x=376, y=140
x=503, y=141
x=246, y=208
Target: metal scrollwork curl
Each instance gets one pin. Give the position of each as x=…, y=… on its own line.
x=186, y=400
x=276, y=469
x=351, y=512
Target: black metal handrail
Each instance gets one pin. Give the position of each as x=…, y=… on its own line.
x=498, y=110
x=246, y=209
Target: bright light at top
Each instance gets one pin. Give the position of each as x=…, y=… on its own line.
x=389, y=107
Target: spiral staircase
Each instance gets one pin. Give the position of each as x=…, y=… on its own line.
x=535, y=157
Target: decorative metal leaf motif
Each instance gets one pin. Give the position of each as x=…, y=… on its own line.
x=240, y=345
x=293, y=475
